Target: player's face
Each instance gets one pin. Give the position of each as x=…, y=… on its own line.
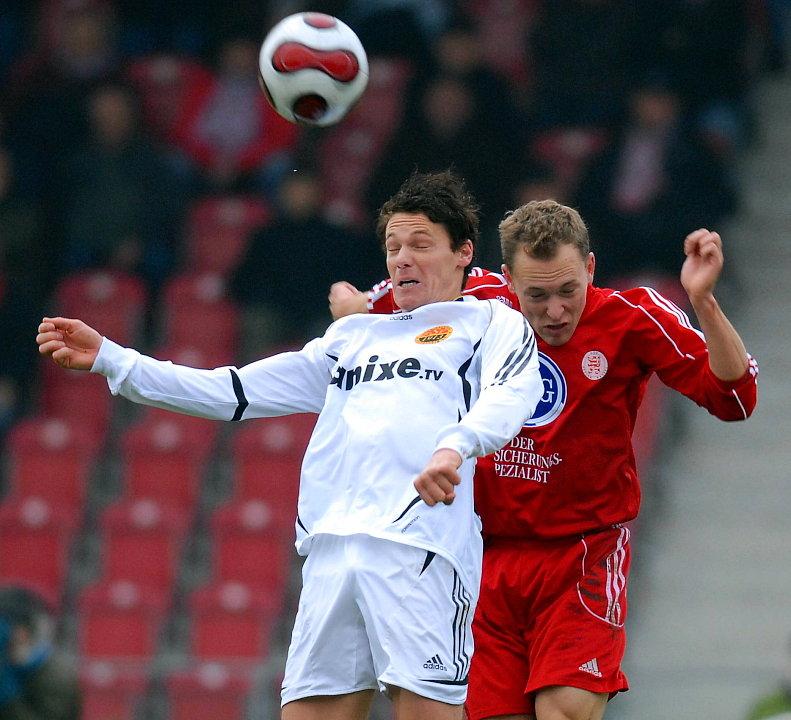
x=422, y=265
x=552, y=292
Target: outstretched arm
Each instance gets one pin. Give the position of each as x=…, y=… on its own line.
x=70, y=343
x=727, y=354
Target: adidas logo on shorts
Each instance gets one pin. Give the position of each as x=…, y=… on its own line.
x=435, y=663
x=591, y=667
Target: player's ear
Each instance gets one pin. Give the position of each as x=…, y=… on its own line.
x=590, y=267
x=508, y=277
x=465, y=252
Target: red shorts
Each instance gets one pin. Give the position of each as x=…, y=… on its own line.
x=551, y=612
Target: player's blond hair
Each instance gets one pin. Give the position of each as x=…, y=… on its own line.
x=541, y=227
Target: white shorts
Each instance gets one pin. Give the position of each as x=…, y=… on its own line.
x=376, y=613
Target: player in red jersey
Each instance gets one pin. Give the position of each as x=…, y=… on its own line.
x=549, y=629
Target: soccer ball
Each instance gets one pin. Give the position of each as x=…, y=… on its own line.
x=313, y=68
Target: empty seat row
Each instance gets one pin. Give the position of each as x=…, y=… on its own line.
x=122, y=622
x=207, y=691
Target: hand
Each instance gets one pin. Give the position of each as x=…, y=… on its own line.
x=70, y=343
x=436, y=482
x=703, y=265
x=345, y=299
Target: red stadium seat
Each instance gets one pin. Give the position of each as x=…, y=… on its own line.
x=110, y=692
x=163, y=459
x=111, y=302
x=119, y=621
x=210, y=692
x=142, y=542
x=83, y=397
x=232, y=622
x=268, y=457
x=34, y=546
x=249, y=547
x=197, y=312
x=51, y=458
x=219, y=229
x=163, y=83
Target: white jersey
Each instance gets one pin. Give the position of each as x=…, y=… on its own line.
x=389, y=390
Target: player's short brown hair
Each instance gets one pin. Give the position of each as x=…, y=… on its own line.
x=444, y=199
x=541, y=227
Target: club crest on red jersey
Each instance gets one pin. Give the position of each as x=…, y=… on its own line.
x=555, y=391
x=594, y=365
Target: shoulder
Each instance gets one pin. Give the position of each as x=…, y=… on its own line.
x=488, y=285
x=646, y=307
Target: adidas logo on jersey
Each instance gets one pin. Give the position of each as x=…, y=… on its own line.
x=591, y=667
x=435, y=663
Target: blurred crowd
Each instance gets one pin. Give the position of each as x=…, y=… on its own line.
x=119, y=117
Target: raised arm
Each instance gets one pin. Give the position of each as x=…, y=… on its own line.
x=279, y=385
x=699, y=275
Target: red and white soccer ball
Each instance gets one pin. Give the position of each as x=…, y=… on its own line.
x=313, y=68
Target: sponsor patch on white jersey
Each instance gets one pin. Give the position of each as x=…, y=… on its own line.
x=434, y=335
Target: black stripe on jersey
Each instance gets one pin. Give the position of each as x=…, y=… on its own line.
x=515, y=371
x=407, y=508
x=465, y=384
x=511, y=361
x=299, y=522
x=240, y=398
x=525, y=335
x=331, y=357
x=429, y=557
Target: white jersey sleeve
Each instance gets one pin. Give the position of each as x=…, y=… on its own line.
x=292, y=382
x=509, y=376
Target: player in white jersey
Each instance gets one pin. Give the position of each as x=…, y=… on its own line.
x=390, y=583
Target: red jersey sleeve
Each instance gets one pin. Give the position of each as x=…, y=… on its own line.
x=482, y=284
x=668, y=344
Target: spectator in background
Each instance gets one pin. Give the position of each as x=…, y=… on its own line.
x=24, y=269
x=298, y=249
x=655, y=180
x=776, y=704
x=457, y=53
x=228, y=129
x=45, y=100
x=709, y=47
x=448, y=130
x=584, y=56
x=120, y=200
x=35, y=683
x=403, y=28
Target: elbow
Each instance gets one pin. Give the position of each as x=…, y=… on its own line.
x=740, y=414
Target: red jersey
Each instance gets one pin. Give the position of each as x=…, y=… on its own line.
x=571, y=469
